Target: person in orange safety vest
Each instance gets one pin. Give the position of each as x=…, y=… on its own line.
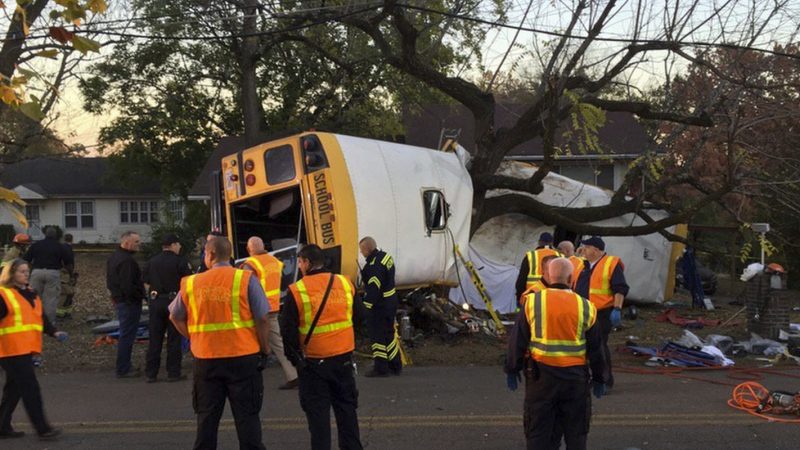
x=530, y=270
x=602, y=281
x=269, y=271
x=224, y=312
x=551, y=341
x=21, y=327
x=317, y=327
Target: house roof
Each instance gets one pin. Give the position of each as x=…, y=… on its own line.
x=228, y=145
x=622, y=134
x=69, y=176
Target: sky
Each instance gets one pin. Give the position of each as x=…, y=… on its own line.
x=79, y=127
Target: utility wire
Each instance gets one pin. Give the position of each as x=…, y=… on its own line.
x=431, y=11
x=598, y=38
x=110, y=32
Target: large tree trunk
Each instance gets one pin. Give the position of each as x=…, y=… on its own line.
x=249, y=54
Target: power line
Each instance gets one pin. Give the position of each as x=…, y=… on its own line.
x=598, y=38
x=278, y=16
x=628, y=41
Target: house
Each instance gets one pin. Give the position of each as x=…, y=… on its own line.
x=82, y=196
x=622, y=139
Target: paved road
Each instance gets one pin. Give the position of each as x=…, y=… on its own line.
x=427, y=408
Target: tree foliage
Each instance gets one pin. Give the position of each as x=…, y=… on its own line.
x=174, y=97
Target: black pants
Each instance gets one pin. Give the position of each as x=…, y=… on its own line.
x=326, y=384
x=21, y=383
x=604, y=320
x=554, y=408
x=385, y=348
x=160, y=324
x=238, y=380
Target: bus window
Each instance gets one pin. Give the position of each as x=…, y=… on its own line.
x=435, y=211
x=279, y=163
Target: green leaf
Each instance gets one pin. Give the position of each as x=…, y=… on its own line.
x=52, y=53
x=55, y=14
x=32, y=110
x=85, y=45
x=27, y=73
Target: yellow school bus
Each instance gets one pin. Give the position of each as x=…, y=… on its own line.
x=332, y=190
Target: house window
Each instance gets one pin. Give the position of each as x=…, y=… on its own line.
x=32, y=214
x=435, y=210
x=175, y=210
x=78, y=215
x=138, y=211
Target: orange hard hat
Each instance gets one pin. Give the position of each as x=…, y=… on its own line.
x=21, y=238
x=775, y=268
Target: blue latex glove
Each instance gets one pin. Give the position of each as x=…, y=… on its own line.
x=598, y=389
x=616, y=317
x=512, y=381
x=61, y=336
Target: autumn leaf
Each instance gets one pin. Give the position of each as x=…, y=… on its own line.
x=8, y=95
x=32, y=110
x=97, y=6
x=85, y=45
x=52, y=53
x=61, y=34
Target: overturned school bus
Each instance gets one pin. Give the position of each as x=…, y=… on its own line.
x=332, y=190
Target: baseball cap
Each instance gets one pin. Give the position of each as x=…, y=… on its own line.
x=546, y=238
x=169, y=239
x=596, y=242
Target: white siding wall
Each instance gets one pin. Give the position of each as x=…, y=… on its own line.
x=620, y=169
x=107, y=227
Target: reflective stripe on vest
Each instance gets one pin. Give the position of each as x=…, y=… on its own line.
x=236, y=321
x=18, y=326
x=534, y=269
x=605, y=288
x=308, y=318
x=273, y=295
x=543, y=345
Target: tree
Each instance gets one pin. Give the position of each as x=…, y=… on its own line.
x=209, y=69
x=35, y=31
x=753, y=144
x=582, y=70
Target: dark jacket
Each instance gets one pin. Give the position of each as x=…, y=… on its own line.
x=378, y=278
x=164, y=272
x=290, y=322
x=49, y=254
x=124, y=277
x=518, y=352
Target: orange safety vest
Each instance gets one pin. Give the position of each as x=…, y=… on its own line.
x=268, y=269
x=218, y=313
x=333, y=335
x=558, y=320
x=577, y=266
x=600, y=293
x=21, y=329
x=535, y=267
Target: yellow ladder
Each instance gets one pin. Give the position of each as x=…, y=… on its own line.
x=476, y=280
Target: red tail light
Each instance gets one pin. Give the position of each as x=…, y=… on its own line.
x=250, y=179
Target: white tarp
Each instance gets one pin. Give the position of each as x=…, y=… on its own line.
x=503, y=241
x=498, y=278
x=388, y=182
